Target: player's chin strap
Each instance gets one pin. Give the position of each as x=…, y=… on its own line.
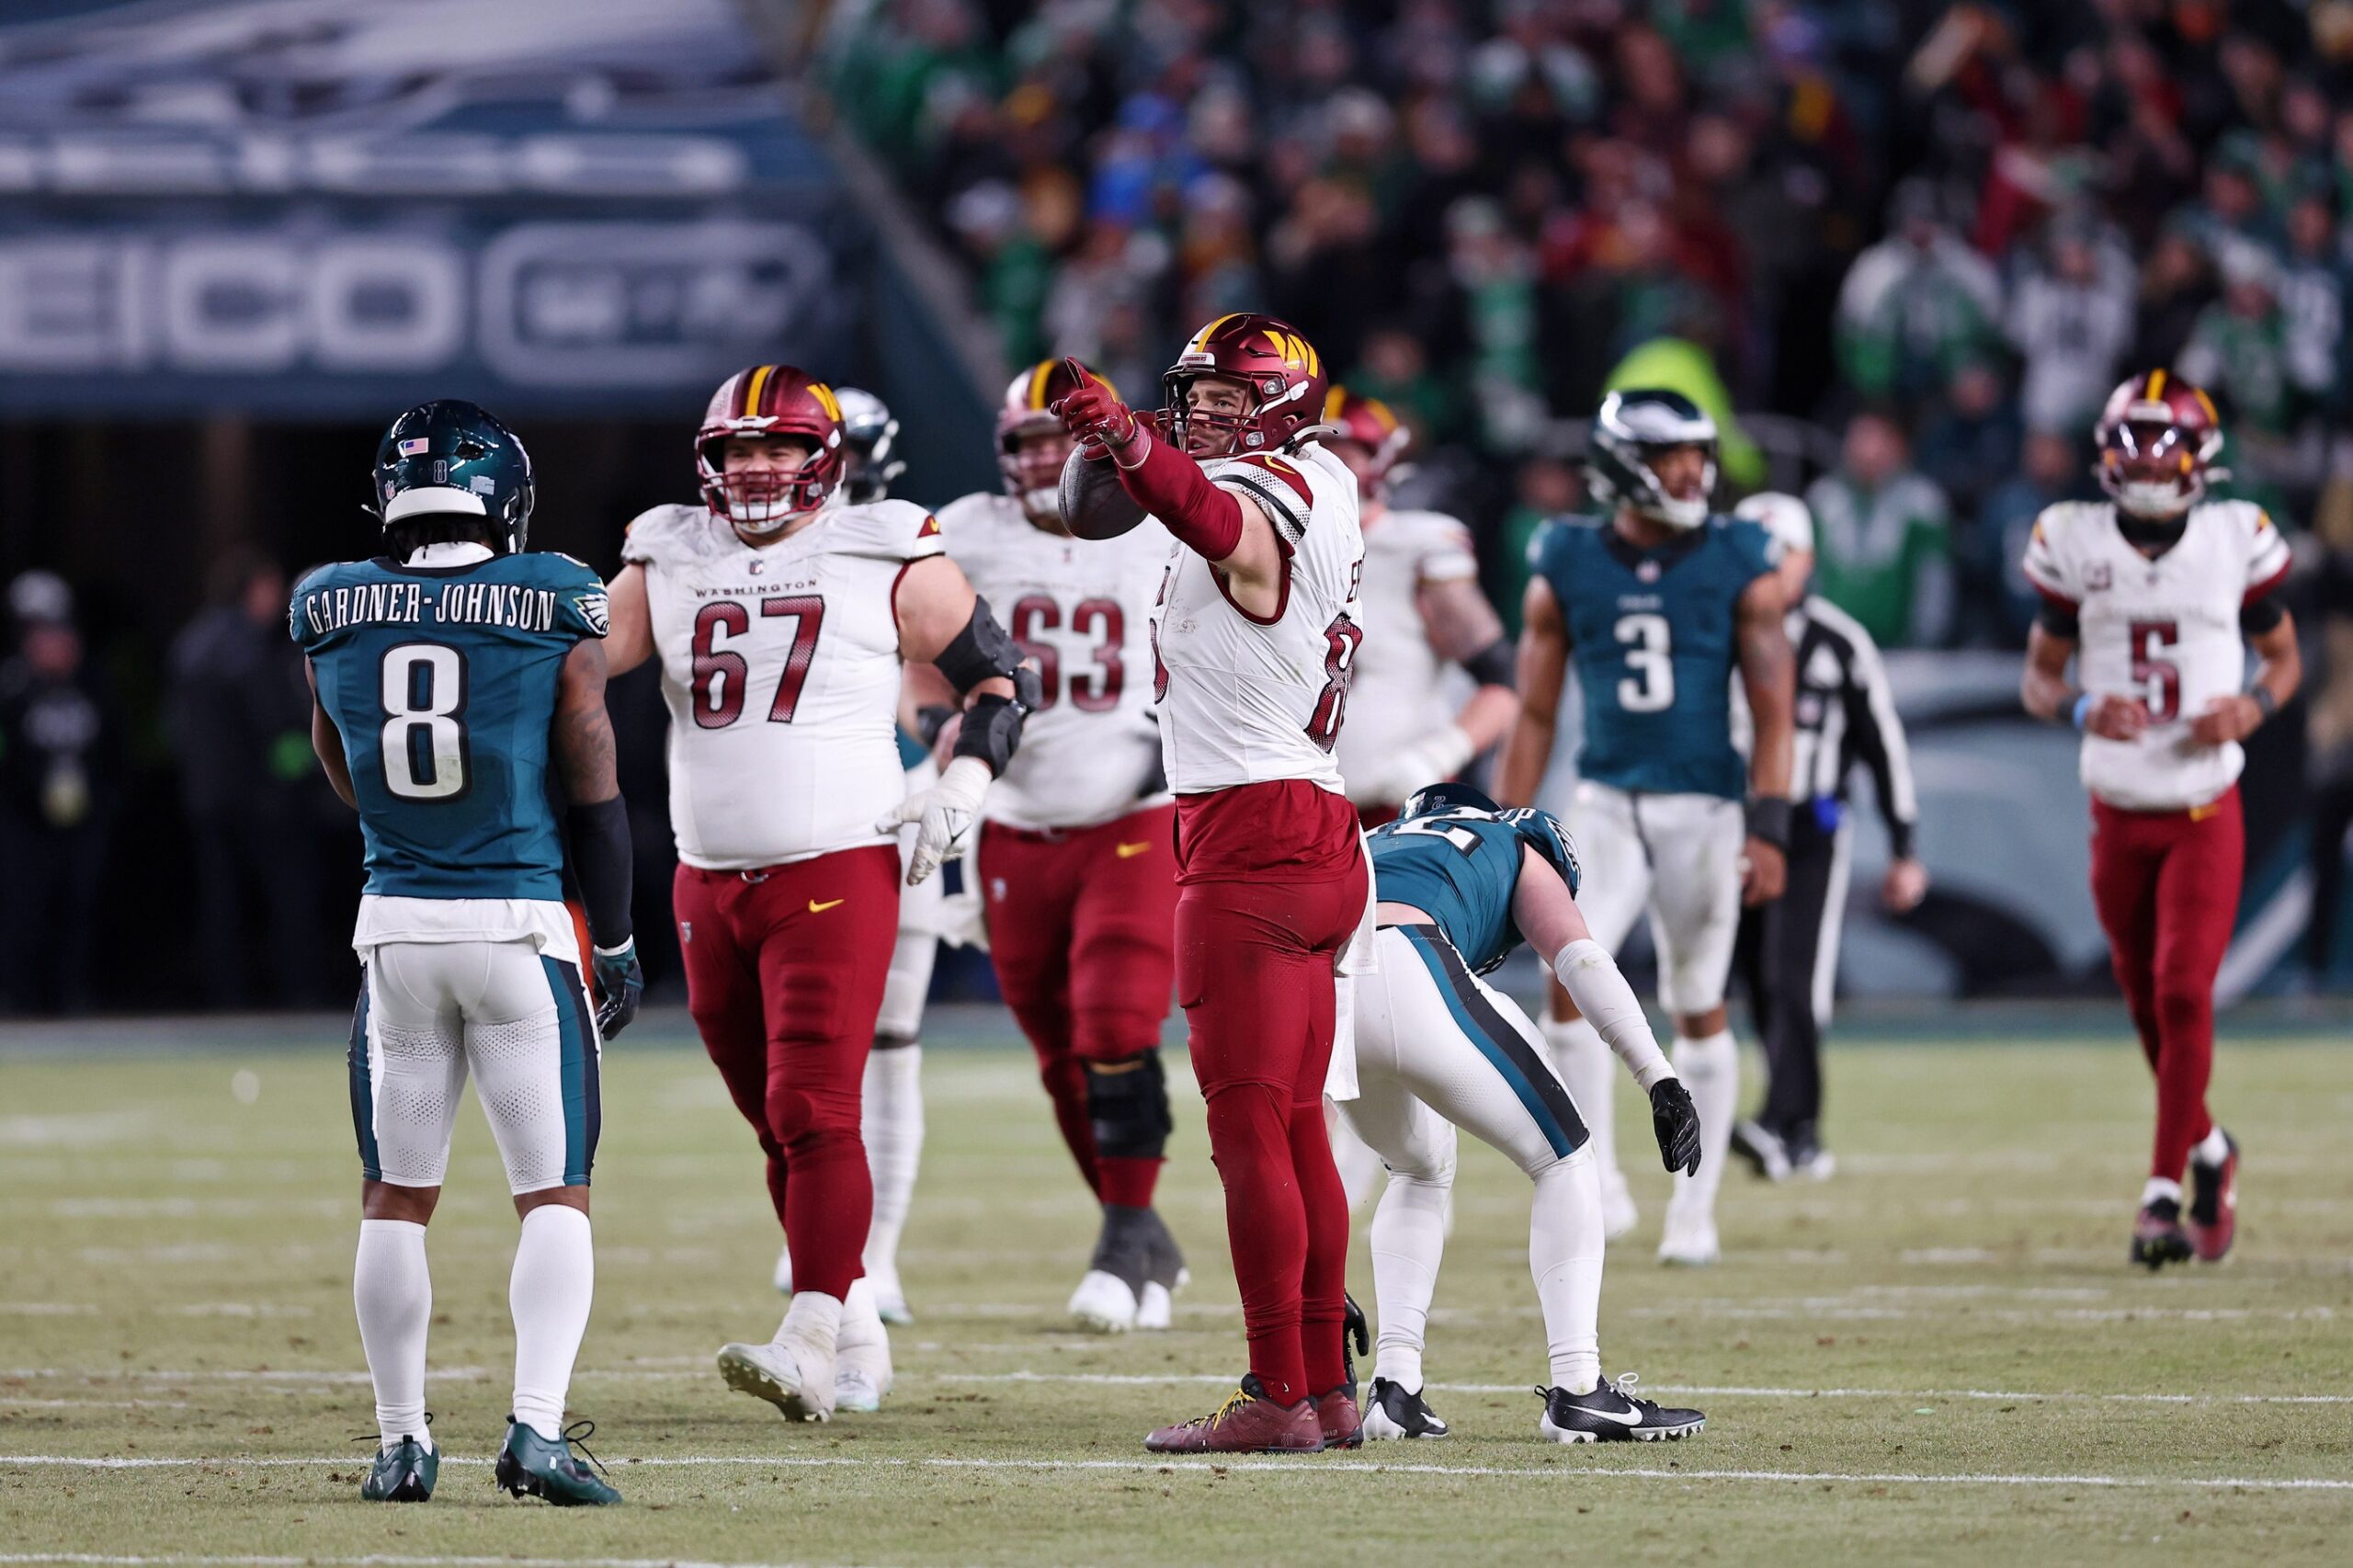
x=1595, y=983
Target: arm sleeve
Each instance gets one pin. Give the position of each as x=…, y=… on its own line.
x=1278, y=488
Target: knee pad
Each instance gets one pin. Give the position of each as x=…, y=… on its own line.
x=895, y=1041
x=1130, y=1109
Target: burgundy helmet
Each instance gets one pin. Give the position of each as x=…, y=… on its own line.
x=769, y=400
x=1370, y=423
x=2158, y=440
x=1033, y=468
x=1281, y=371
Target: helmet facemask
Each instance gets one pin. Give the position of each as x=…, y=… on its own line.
x=2154, y=468
x=1030, y=457
x=1648, y=494
x=1222, y=434
x=763, y=500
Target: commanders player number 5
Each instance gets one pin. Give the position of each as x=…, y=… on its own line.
x=720, y=673
x=1650, y=688
x=423, y=688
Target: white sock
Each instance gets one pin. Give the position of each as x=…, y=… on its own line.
x=1564, y=1247
x=1408, y=1240
x=2158, y=1187
x=1360, y=1167
x=1710, y=1068
x=813, y=1320
x=860, y=1324
x=893, y=1132
x=1588, y=1071
x=2212, y=1149
x=554, y=1279
x=392, y=1291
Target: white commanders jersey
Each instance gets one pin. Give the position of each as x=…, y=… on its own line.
x=1247, y=701
x=1090, y=751
x=1400, y=693
x=780, y=665
x=2164, y=630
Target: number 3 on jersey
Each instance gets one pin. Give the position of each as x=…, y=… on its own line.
x=1651, y=687
x=719, y=672
x=423, y=688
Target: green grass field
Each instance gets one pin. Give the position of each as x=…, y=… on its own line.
x=1941, y=1355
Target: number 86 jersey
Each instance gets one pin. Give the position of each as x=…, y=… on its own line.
x=2165, y=631
x=780, y=666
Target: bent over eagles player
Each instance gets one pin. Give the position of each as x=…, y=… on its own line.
x=1253, y=637
x=459, y=694
x=1077, y=852
x=2151, y=594
x=781, y=615
x=1461, y=883
x=1657, y=604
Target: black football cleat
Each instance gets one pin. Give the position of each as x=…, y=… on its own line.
x=402, y=1473
x=1392, y=1414
x=2213, y=1217
x=1611, y=1413
x=532, y=1466
x=2158, y=1238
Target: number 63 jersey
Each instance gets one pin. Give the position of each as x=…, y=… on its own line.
x=442, y=682
x=1654, y=636
x=2165, y=631
x=780, y=666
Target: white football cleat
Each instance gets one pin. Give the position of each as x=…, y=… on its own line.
x=862, y=1377
x=784, y=1271
x=783, y=1372
x=1689, y=1241
x=1104, y=1304
x=890, y=1298
x=1619, y=1215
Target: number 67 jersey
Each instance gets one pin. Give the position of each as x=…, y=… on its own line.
x=780, y=666
x=2165, y=631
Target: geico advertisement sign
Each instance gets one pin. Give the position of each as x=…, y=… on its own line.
x=540, y=303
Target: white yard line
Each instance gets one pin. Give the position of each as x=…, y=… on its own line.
x=1319, y=1466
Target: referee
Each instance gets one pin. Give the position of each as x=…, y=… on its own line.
x=1788, y=950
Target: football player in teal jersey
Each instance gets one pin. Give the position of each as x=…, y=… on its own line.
x=459, y=686
x=1463, y=882
x=1657, y=604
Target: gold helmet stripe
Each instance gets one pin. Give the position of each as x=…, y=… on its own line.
x=825, y=400
x=755, y=382
x=1040, y=374
x=1201, y=338
x=2157, y=386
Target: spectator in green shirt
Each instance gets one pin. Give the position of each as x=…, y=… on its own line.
x=1883, y=548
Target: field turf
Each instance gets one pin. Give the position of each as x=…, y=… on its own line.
x=1937, y=1356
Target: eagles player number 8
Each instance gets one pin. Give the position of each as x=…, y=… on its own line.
x=1651, y=688
x=424, y=690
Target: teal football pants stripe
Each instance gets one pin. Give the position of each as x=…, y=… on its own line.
x=583, y=1098
x=363, y=1093
x=1504, y=1047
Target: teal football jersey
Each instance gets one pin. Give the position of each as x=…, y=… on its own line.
x=1654, y=637
x=1461, y=867
x=442, y=680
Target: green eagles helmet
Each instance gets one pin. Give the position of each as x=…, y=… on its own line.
x=871, y=433
x=449, y=456
x=1632, y=427
x=1540, y=830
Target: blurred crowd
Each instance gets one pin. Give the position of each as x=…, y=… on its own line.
x=1912, y=243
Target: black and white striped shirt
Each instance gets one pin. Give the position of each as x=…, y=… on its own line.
x=1846, y=714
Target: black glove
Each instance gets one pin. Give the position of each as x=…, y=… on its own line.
x=1676, y=1122
x=621, y=980
x=1353, y=1326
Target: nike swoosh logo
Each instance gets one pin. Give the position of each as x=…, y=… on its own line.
x=816, y=908
x=1631, y=1417
x=1130, y=851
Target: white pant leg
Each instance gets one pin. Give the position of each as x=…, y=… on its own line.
x=918, y=948
x=1694, y=845
x=1615, y=864
x=408, y=1064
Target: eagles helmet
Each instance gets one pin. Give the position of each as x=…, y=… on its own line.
x=1632, y=428
x=449, y=456
x=870, y=434
x=1540, y=830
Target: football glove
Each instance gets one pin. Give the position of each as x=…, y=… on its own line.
x=945, y=813
x=1356, y=1328
x=1096, y=417
x=621, y=981
x=1676, y=1122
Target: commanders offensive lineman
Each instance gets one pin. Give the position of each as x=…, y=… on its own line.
x=1657, y=603
x=1077, y=848
x=2151, y=594
x=460, y=691
x=781, y=615
x=1463, y=882
x=891, y=1120
x=1254, y=638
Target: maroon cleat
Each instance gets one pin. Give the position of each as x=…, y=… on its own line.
x=1247, y=1423
x=2214, y=1204
x=2157, y=1237
x=1337, y=1413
